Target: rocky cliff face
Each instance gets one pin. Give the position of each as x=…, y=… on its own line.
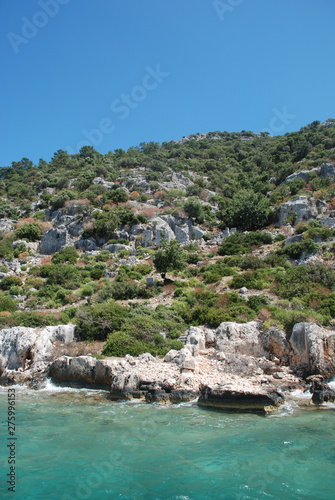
x=313, y=350
x=26, y=353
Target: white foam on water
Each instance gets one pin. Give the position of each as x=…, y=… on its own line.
x=50, y=387
x=332, y=384
x=298, y=394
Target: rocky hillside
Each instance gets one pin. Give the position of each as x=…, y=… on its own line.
x=134, y=247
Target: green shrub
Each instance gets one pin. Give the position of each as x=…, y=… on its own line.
x=8, y=281
x=30, y=231
x=6, y=249
x=297, y=250
x=67, y=255
x=257, y=302
x=98, y=321
x=96, y=273
x=7, y=303
x=240, y=243
x=252, y=262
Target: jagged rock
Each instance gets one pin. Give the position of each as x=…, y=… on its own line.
x=30, y=350
x=87, y=244
x=173, y=353
x=195, y=340
x=182, y=356
x=322, y=392
x=302, y=174
x=275, y=343
x=170, y=228
x=328, y=222
x=7, y=225
x=301, y=208
x=313, y=350
x=293, y=239
x=82, y=370
x=239, y=338
x=115, y=247
x=53, y=240
x=178, y=181
x=235, y=398
x=101, y=180
x=327, y=170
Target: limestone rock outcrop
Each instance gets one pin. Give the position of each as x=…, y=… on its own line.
x=313, y=350
x=241, y=338
x=83, y=370
x=25, y=352
x=300, y=208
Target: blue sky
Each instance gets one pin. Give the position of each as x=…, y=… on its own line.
x=114, y=73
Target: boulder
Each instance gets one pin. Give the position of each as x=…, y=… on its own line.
x=322, y=392
x=83, y=370
x=239, y=338
x=327, y=170
x=195, y=340
x=301, y=208
x=328, y=222
x=302, y=174
x=276, y=345
x=239, y=399
x=313, y=350
x=53, y=240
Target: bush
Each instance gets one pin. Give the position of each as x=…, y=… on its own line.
x=8, y=281
x=247, y=211
x=252, y=262
x=240, y=243
x=6, y=249
x=65, y=255
x=297, y=250
x=7, y=303
x=98, y=321
x=30, y=231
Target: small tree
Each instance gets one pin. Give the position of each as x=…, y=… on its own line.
x=168, y=258
x=194, y=209
x=247, y=211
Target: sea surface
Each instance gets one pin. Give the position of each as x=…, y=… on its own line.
x=76, y=444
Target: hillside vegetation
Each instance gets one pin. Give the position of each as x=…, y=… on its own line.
x=135, y=246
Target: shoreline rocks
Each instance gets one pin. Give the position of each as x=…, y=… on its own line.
x=233, y=367
x=233, y=398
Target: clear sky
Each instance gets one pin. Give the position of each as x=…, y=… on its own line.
x=114, y=73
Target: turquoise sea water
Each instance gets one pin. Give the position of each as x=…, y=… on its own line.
x=76, y=444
